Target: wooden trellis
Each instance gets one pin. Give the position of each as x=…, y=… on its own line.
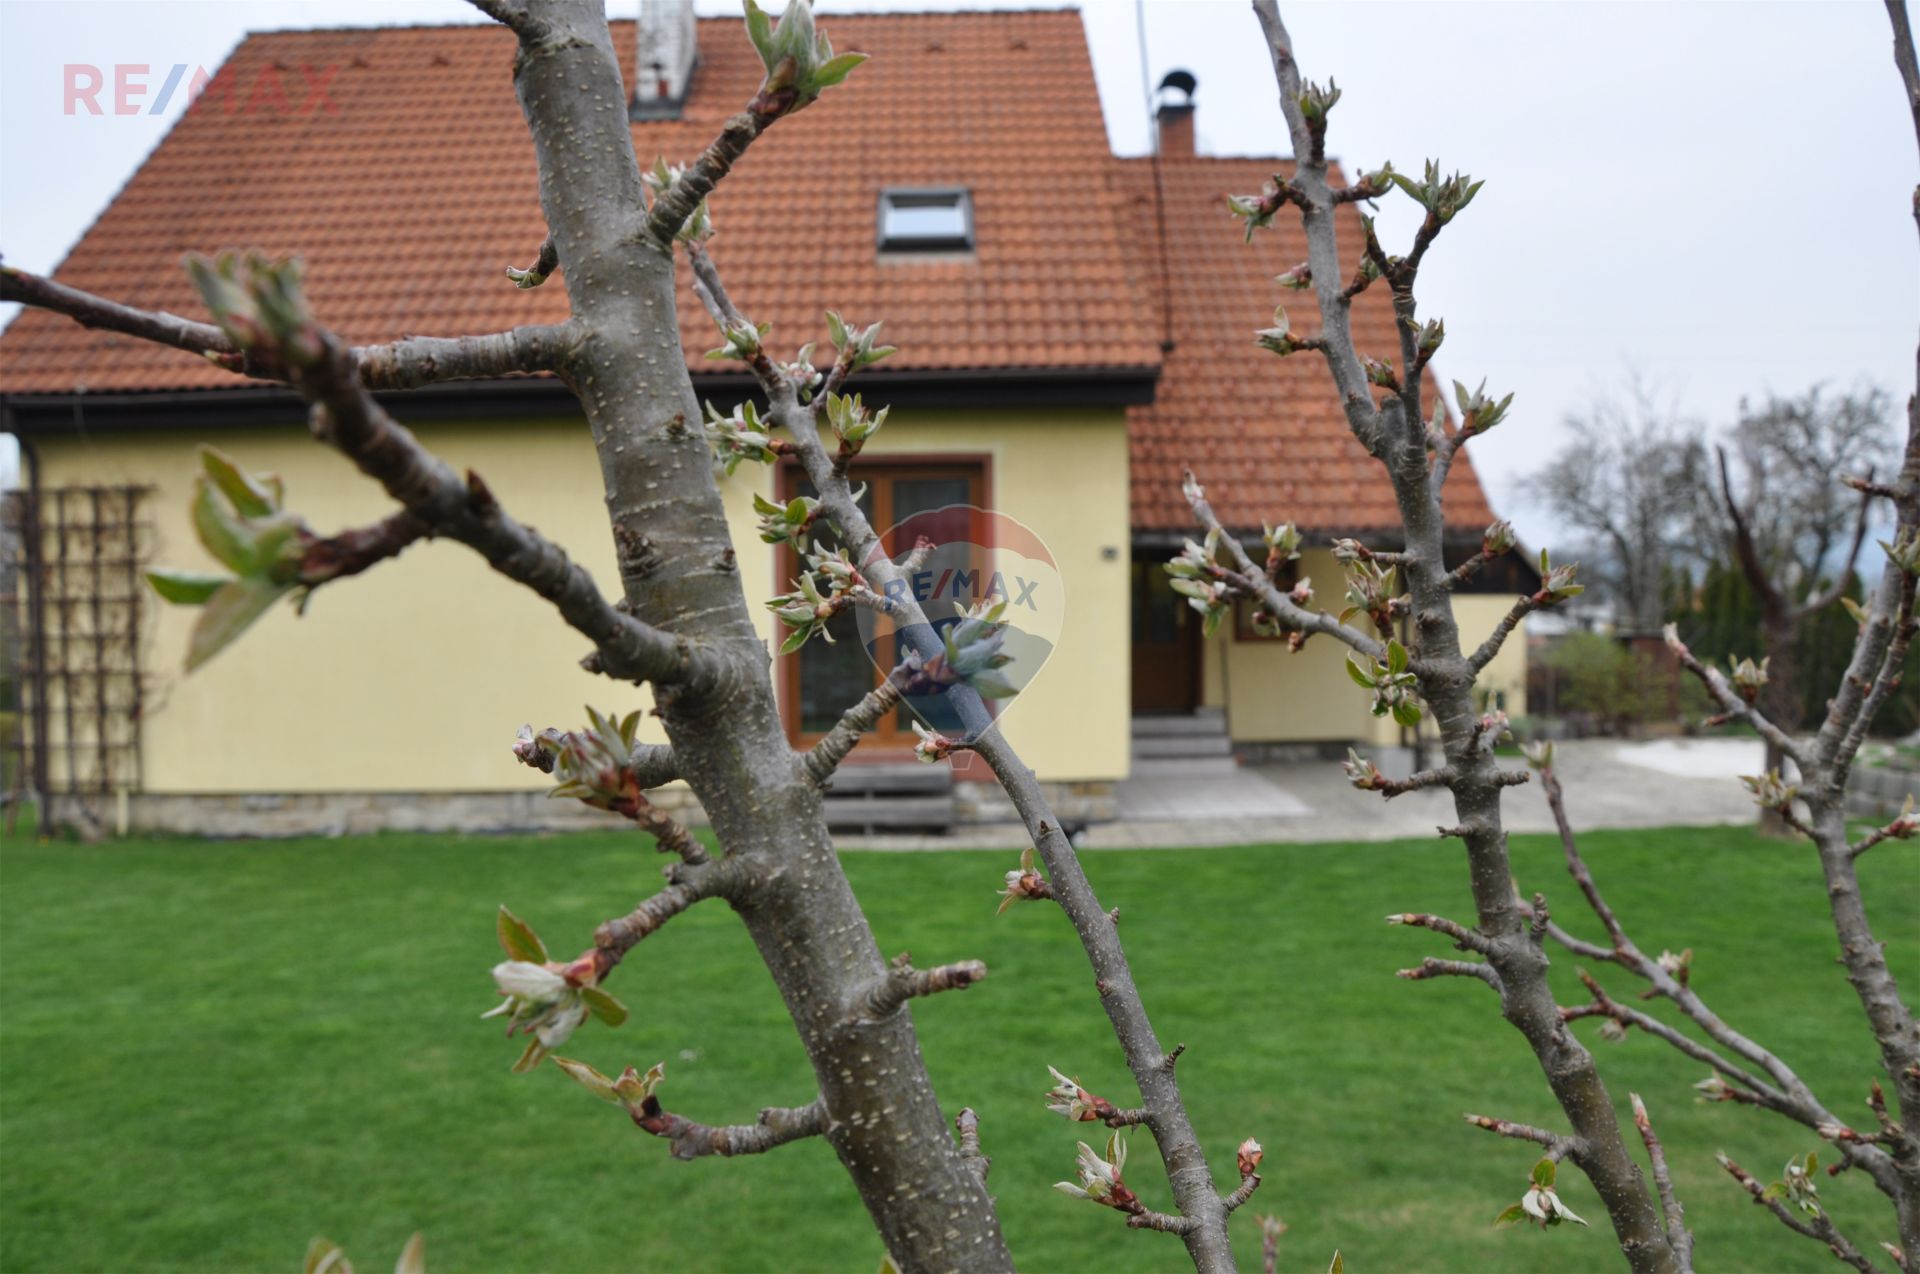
x=77, y=609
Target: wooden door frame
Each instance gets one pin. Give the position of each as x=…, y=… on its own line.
x=1197, y=647
x=978, y=467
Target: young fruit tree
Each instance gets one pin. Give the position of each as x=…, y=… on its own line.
x=1433, y=675
x=682, y=626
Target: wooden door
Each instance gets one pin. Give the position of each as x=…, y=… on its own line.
x=822, y=681
x=1166, y=644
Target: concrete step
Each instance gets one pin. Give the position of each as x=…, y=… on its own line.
x=893, y=813
x=1184, y=768
x=1181, y=745
x=892, y=779
x=1202, y=721
x=890, y=797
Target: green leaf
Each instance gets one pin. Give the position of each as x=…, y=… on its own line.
x=603, y=1006
x=763, y=506
x=588, y=1078
x=1543, y=1174
x=1511, y=1215
x=760, y=31
x=1338, y=1266
x=251, y=498
x=229, y=612
x=1211, y=624
x=186, y=588
x=518, y=939
x=535, y=1053
x=1361, y=677
x=836, y=328
x=1407, y=713
x=323, y=1255
x=219, y=530
x=831, y=73
x=1396, y=657
x=796, y=641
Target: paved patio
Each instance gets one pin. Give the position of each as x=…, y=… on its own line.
x=1660, y=783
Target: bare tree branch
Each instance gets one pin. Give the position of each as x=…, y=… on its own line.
x=1820, y=601
x=671, y=210
x=1733, y=704
x=825, y=756
x=1558, y=1146
x=346, y=416
x=1241, y=1193
x=1904, y=60
x=1746, y=552
x=1522, y=607
x=1677, y=1230
x=1818, y=1227
x=353, y=551
x=403, y=364
x=543, y=268
x=776, y=1126
x=690, y=883
x=1146, y=1219
x=1464, y=938
x=1436, y=968
x=1254, y=582
x=966, y=1126
x=889, y=993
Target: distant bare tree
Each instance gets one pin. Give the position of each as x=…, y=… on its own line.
x=1633, y=486
x=1793, y=529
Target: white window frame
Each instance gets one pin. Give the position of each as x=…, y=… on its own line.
x=956, y=197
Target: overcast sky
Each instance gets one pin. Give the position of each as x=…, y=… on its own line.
x=1713, y=196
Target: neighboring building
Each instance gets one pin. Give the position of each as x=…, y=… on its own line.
x=1074, y=328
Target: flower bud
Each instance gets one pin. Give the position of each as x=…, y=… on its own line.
x=1249, y=1156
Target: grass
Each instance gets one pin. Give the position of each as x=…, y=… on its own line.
x=213, y=1051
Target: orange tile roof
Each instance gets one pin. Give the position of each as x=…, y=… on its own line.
x=411, y=194
x=1265, y=435
x=409, y=199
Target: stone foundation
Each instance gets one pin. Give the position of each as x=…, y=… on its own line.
x=975, y=804
x=1877, y=792
x=1258, y=752
x=357, y=813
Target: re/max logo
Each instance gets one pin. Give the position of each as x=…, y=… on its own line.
x=957, y=583
x=275, y=89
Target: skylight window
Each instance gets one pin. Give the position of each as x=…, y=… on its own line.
x=926, y=220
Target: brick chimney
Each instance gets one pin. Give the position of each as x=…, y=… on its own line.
x=664, y=59
x=1174, y=115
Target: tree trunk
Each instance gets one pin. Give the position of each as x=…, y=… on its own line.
x=678, y=571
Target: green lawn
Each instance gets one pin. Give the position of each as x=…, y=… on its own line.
x=213, y=1051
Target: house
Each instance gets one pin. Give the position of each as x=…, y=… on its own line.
x=1074, y=328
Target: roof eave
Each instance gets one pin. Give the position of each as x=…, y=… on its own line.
x=52, y=414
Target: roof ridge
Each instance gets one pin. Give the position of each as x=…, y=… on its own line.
x=485, y=24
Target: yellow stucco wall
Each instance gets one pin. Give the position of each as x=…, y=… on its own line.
x=1275, y=696
x=415, y=676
